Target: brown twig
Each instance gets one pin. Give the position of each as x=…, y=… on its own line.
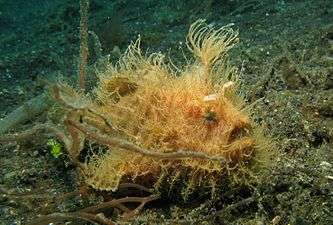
x=84, y=51
x=137, y=186
x=24, y=113
x=73, y=144
x=93, y=213
x=124, y=144
x=114, y=203
x=24, y=135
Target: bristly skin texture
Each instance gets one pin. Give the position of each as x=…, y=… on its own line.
x=196, y=110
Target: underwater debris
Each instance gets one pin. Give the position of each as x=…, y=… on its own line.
x=84, y=50
x=25, y=112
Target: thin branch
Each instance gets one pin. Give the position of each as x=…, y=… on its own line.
x=39, y=128
x=114, y=203
x=93, y=213
x=84, y=51
x=73, y=144
x=137, y=186
x=24, y=113
x=124, y=144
